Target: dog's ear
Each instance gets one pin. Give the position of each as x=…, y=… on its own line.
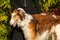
x=22, y=12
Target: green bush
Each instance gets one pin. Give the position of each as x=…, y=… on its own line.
x=47, y=4
x=5, y=10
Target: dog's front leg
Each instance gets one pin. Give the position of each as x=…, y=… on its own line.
x=57, y=31
x=32, y=31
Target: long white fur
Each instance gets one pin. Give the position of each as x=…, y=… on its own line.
x=57, y=31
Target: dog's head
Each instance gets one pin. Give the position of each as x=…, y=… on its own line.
x=17, y=16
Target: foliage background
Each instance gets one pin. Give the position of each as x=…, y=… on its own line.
x=50, y=6
x=5, y=10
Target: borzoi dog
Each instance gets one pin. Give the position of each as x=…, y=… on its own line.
x=38, y=26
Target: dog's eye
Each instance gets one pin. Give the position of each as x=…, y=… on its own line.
x=18, y=14
x=14, y=16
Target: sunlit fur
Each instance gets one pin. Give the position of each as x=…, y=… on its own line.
x=37, y=26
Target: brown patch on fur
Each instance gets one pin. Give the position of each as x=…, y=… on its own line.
x=58, y=17
x=31, y=27
x=44, y=22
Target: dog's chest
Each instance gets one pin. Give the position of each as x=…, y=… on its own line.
x=27, y=32
x=25, y=24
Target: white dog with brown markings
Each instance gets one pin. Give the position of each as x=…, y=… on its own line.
x=37, y=26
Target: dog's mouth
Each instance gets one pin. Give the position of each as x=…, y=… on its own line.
x=13, y=23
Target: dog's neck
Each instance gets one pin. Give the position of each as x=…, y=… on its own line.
x=25, y=20
x=24, y=24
